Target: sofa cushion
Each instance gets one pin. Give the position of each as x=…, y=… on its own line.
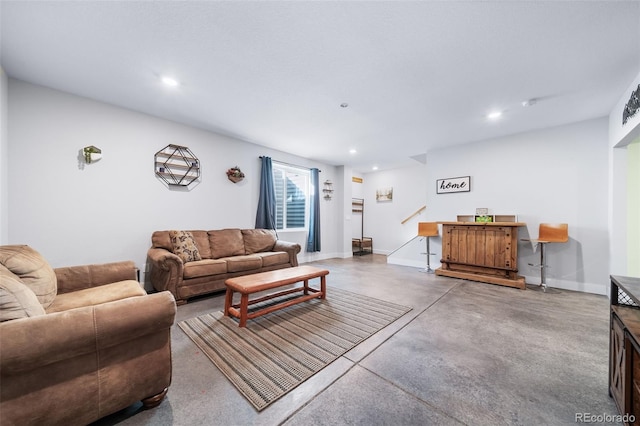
x=96, y=295
x=16, y=299
x=205, y=267
x=32, y=269
x=184, y=246
x=258, y=240
x=201, y=239
x=225, y=243
x=243, y=263
x=272, y=258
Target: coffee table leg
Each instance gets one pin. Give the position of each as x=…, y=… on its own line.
x=323, y=286
x=228, y=300
x=306, y=286
x=244, y=309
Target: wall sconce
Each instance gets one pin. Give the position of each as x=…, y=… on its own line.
x=91, y=154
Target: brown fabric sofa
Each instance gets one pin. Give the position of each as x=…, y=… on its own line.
x=222, y=254
x=78, y=343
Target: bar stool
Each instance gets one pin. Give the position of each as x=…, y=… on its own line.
x=548, y=233
x=427, y=230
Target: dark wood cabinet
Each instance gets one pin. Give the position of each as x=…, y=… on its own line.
x=624, y=346
x=634, y=382
x=617, y=361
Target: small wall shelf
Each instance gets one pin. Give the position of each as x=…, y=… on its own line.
x=328, y=189
x=177, y=165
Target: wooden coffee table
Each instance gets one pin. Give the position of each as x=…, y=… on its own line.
x=251, y=284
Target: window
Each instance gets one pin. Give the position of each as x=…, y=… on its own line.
x=292, y=196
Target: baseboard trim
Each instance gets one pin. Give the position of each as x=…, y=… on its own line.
x=593, y=288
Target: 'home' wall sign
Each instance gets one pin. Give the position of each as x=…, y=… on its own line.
x=457, y=184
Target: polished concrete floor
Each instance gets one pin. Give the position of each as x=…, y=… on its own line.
x=468, y=353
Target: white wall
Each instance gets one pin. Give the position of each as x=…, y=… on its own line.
x=4, y=161
x=383, y=219
x=356, y=219
x=620, y=136
x=343, y=206
x=554, y=175
x=633, y=209
x=75, y=213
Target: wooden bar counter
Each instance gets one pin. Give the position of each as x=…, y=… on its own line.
x=485, y=252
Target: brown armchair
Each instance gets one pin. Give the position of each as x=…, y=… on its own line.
x=78, y=343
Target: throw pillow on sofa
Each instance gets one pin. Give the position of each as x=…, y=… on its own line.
x=32, y=270
x=16, y=299
x=184, y=246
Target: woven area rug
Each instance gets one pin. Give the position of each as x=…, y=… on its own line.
x=278, y=351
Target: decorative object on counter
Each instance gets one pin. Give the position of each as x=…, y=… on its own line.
x=91, y=154
x=235, y=175
x=177, y=165
x=484, y=218
x=482, y=215
x=328, y=189
x=455, y=184
x=632, y=106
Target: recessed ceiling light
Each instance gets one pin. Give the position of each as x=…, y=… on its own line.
x=170, y=81
x=352, y=151
x=374, y=168
x=494, y=115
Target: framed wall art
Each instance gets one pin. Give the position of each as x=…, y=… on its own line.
x=456, y=184
x=384, y=194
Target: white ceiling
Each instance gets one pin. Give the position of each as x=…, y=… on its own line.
x=416, y=75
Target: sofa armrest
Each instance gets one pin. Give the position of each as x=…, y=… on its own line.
x=292, y=248
x=35, y=342
x=165, y=269
x=73, y=278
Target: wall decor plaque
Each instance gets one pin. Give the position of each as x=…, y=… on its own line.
x=456, y=184
x=632, y=106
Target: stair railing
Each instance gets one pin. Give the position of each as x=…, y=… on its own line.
x=417, y=212
x=404, y=245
